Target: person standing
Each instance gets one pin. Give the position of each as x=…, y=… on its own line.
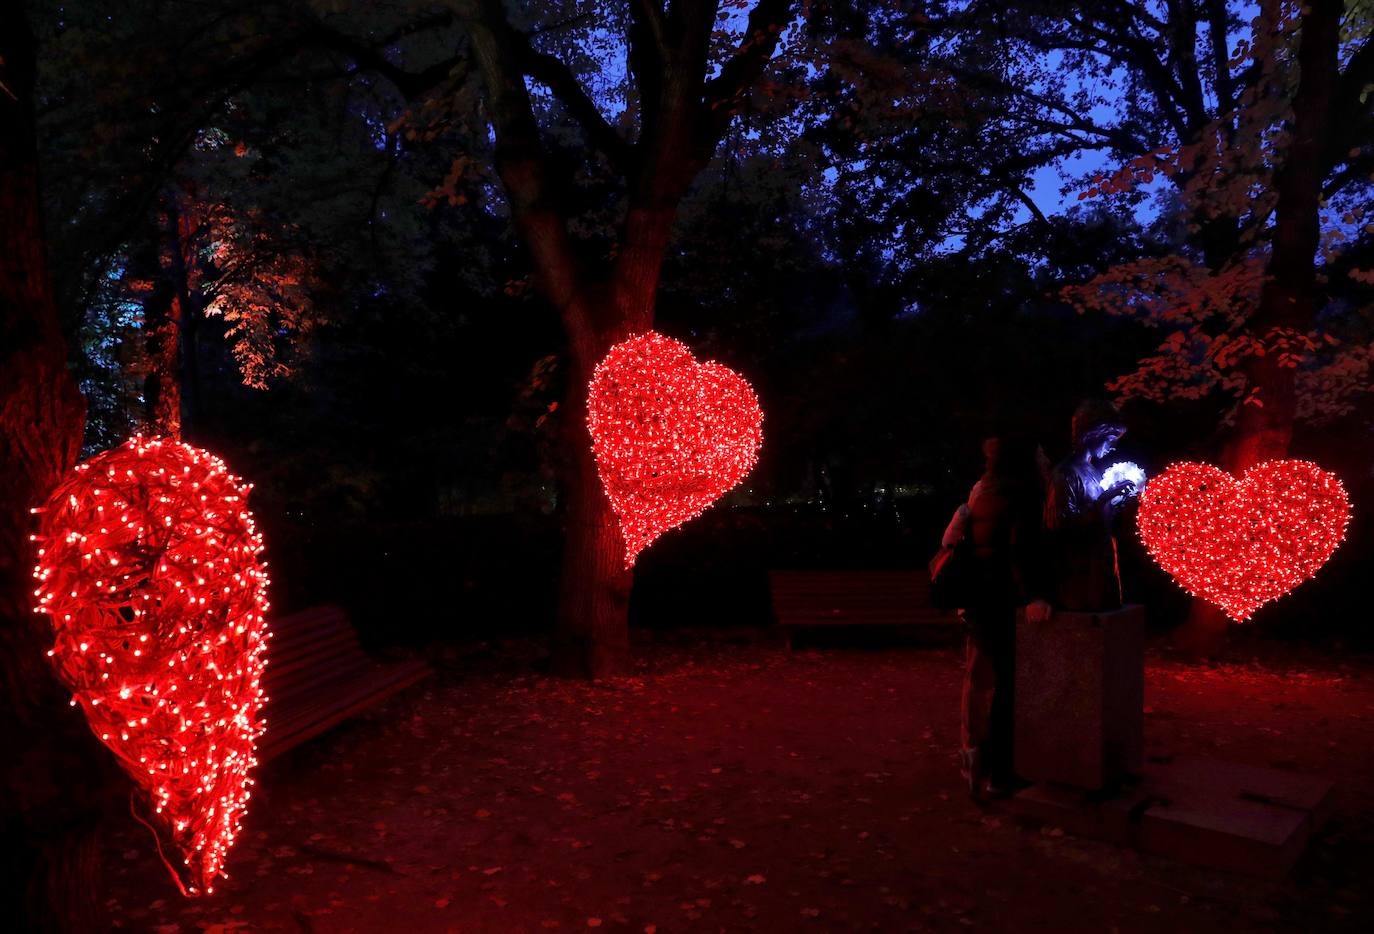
x=1001, y=526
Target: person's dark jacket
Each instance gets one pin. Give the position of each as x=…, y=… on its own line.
x=1005, y=525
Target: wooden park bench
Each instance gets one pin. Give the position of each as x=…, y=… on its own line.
x=318, y=676
x=814, y=599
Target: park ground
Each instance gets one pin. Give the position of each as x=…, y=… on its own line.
x=732, y=786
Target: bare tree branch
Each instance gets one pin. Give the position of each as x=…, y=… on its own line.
x=1031, y=206
x=648, y=49
x=1218, y=21
x=553, y=73
x=726, y=91
x=521, y=159
x=650, y=12
x=411, y=85
x=1352, y=106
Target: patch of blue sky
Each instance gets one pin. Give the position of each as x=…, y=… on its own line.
x=376, y=128
x=1054, y=188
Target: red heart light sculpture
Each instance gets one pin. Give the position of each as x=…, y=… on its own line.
x=1241, y=543
x=670, y=435
x=150, y=569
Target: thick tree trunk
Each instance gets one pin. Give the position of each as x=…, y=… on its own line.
x=592, y=634
x=48, y=808
x=186, y=311
x=1203, y=633
x=1288, y=300
x=1264, y=425
x=161, y=386
x=591, y=638
x=162, y=336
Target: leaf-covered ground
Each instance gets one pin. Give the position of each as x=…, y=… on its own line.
x=739, y=787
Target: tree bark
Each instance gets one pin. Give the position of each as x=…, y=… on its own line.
x=161, y=335
x=51, y=763
x=591, y=636
x=186, y=312
x=1264, y=424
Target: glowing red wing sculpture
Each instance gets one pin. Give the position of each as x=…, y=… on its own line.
x=670, y=435
x=1241, y=543
x=150, y=569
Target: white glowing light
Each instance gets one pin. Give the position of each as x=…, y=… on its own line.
x=1123, y=470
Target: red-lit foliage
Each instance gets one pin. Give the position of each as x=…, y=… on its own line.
x=1241, y=543
x=150, y=569
x=670, y=435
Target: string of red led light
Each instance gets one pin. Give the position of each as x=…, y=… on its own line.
x=1242, y=543
x=150, y=570
x=670, y=435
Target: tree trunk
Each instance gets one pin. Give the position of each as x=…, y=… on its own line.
x=1264, y=428
x=162, y=336
x=683, y=116
x=187, y=314
x=1264, y=425
x=592, y=638
x=48, y=807
x=1203, y=633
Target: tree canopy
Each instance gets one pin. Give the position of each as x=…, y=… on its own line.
x=380, y=244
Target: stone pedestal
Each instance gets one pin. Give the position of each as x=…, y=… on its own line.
x=1080, y=697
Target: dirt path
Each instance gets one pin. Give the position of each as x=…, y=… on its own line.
x=740, y=788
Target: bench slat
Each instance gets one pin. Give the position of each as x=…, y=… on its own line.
x=311, y=715
x=813, y=621
x=281, y=664
x=855, y=600
x=291, y=727
x=289, y=631
x=318, y=676
x=301, y=624
x=812, y=599
x=915, y=613
x=288, y=715
x=916, y=576
x=302, y=639
x=313, y=680
x=290, y=652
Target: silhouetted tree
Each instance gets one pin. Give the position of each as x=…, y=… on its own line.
x=48, y=878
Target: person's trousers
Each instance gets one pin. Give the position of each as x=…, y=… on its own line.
x=987, y=721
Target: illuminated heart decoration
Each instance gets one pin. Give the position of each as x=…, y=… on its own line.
x=670, y=435
x=149, y=568
x=1241, y=543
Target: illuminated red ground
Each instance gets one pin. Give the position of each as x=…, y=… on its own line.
x=735, y=787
